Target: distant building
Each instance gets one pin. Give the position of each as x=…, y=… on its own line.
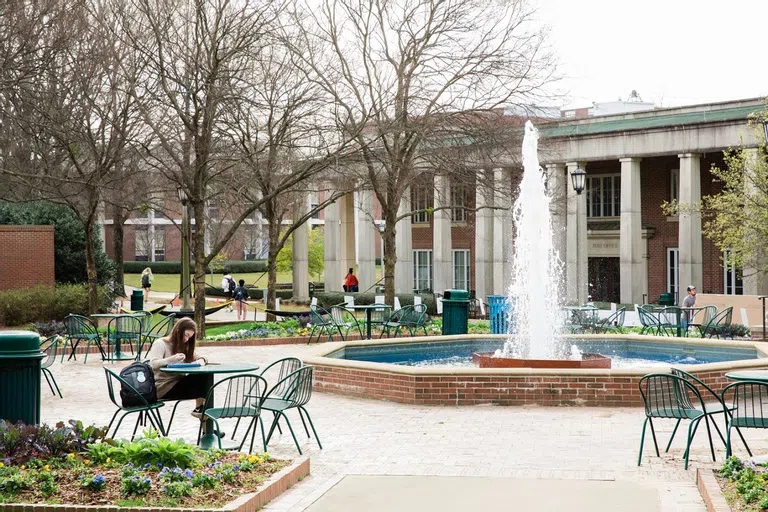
x=632, y=104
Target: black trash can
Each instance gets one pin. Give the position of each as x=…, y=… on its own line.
x=20, y=360
x=137, y=300
x=455, y=312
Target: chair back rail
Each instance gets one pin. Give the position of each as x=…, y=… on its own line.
x=296, y=387
x=244, y=394
x=667, y=396
x=49, y=350
x=287, y=366
x=78, y=326
x=749, y=402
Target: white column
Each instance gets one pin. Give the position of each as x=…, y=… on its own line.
x=442, y=257
x=300, y=268
x=755, y=281
x=576, y=250
x=691, y=264
x=151, y=235
x=366, y=240
x=631, y=260
x=500, y=200
x=332, y=248
x=507, y=230
x=404, y=248
x=347, y=237
x=483, y=238
x=557, y=181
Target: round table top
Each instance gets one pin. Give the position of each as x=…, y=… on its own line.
x=110, y=315
x=214, y=368
x=761, y=375
x=368, y=306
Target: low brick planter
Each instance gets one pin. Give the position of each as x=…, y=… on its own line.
x=710, y=491
x=251, y=502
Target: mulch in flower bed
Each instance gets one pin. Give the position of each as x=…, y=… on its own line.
x=70, y=490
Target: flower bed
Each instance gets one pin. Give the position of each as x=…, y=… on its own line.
x=74, y=465
x=744, y=484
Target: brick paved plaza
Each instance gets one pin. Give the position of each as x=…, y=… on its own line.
x=367, y=437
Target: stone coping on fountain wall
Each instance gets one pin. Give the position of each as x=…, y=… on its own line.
x=505, y=386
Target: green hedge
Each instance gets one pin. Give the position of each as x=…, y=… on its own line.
x=174, y=267
x=328, y=299
x=44, y=304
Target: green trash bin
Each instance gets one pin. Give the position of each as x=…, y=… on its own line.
x=455, y=312
x=137, y=300
x=666, y=299
x=20, y=359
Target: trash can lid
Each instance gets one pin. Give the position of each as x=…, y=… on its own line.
x=19, y=344
x=455, y=295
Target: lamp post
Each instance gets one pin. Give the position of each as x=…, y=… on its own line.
x=185, y=291
x=578, y=179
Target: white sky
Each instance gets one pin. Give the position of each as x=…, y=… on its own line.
x=673, y=52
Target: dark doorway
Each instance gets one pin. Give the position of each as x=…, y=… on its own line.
x=604, y=283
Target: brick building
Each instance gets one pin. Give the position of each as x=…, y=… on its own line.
x=26, y=257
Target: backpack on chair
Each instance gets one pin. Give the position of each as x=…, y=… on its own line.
x=142, y=378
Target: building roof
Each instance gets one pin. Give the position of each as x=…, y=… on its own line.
x=724, y=112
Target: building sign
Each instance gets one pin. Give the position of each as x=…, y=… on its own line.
x=603, y=247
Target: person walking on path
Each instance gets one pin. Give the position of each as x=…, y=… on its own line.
x=241, y=297
x=688, y=302
x=228, y=285
x=350, y=282
x=146, y=282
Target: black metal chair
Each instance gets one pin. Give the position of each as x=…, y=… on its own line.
x=146, y=411
x=243, y=399
x=291, y=392
x=749, y=409
x=45, y=366
x=666, y=396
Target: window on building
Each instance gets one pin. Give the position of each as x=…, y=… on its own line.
x=142, y=244
x=604, y=196
x=213, y=211
x=255, y=244
x=459, y=201
x=159, y=244
x=673, y=266
x=422, y=270
x=421, y=199
x=315, y=215
x=733, y=283
x=461, y=269
x=674, y=184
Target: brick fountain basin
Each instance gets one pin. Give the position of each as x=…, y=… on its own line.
x=486, y=360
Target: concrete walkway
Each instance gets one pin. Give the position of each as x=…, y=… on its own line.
x=459, y=494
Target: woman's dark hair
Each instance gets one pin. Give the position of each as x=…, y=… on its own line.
x=176, y=339
x=242, y=282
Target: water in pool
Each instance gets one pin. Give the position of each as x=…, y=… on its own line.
x=623, y=354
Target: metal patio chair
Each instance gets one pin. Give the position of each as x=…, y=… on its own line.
x=669, y=320
x=123, y=328
x=161, y=329
x=667, y=396
x=702, y=317
x=749, y=409
x=80, y=328
x=380, y=315
x=614, y=323
x=410, y=317
x=718, y=325
x=649, y=321
x=344, y=320
x=45, y=367
x=320, y=319
x=146, y=411
x=243, y=399
x=291, y=392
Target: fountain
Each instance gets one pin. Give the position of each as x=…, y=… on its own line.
x=537, y=274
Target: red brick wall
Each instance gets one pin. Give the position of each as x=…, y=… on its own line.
x=26, y=257
x=500, y=389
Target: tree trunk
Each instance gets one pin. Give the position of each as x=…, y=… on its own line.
x=90, y=266
x=274, y=249
x=199, y=277
x=118, y=220
x=390, y=258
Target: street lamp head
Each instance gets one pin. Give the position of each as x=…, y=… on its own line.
x=578, y=178
x=182, y=195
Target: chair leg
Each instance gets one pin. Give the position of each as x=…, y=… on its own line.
x=310, y=334
x=642, y=440
x=728, y=441
x=44, y=371
x=690, y=438
x=112, y=420
x=709, y=435
x=301, y=408
x=653, y=434
x=301, y=415
x=674, y=431
x=173, y=414
x=117, y=428
x=685, y=455
x=136, y=427
x=47, y=373
x=738, y=431
x=714, y=424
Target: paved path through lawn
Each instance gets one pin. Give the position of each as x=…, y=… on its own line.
x=368, y=437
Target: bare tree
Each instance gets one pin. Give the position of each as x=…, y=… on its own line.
x=418, y=81
x=75, y=121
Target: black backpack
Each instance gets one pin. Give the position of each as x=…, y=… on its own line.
x=145, y=281
x=241, y=293
x=142, y=378
x=231, y=285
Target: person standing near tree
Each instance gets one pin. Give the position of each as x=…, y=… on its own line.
x=146, y=282
x=241, y=298
x=228, y=285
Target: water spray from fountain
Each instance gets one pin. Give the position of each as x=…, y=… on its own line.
x=537, y=269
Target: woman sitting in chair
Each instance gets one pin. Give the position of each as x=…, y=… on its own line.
x=178, y=347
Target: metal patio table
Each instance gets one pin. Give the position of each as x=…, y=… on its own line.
x=118, y=355
x=368, y=309
x=210, y=437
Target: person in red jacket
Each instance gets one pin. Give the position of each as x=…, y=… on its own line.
x=350, y=283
